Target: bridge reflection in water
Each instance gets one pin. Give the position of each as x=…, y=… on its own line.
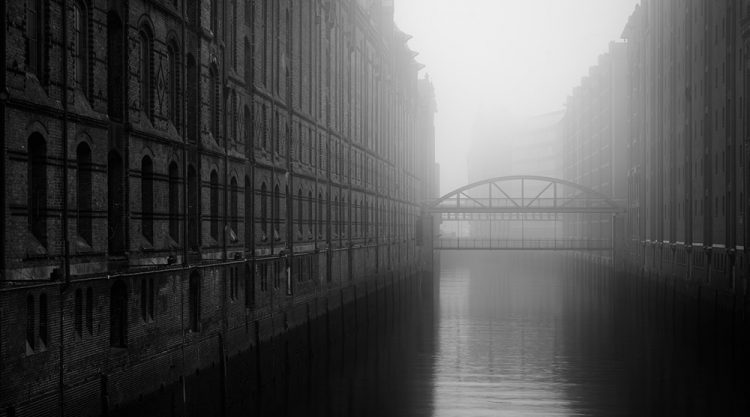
x=513, y=334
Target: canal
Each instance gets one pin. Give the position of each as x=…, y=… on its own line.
x=509, y=335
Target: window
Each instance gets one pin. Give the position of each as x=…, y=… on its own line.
x=30, y=322
x=173, y=87
x=37, y=188
x=249, y=287
x=147, y=299
x=147, y=198
x=43, y=320
x=115, y=206
x=214, y=204
x=321, y=216
x=193, y=224
x=248, y=211
x=193, y=96
x=194, y=300
x=248, y=130
x=264, y=209
x=145, y=73
x=233, y=35
x=35, y=39
x=174, y=202
x=234, y=204
x=78, y=313
x=115, y=66
x=213, y=102
x=80, y=43
x=118, y=315
x=276, y=211
x=310, y=213
x=214, y=16
x=83, y=191
x=248, y=61
x=90, y=310
x=300, y=219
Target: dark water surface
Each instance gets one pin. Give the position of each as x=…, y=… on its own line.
x=510, y=335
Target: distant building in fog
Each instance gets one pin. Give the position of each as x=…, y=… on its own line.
x=594, y=139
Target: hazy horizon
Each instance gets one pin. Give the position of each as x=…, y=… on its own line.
x=503, y=59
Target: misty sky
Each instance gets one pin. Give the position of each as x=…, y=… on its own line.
x=503, y=58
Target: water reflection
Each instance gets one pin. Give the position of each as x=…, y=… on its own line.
x=510, y=336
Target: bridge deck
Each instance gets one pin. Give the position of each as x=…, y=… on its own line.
x=518, y=245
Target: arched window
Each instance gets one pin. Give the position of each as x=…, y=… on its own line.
x=264, y=209
x=78, y=312
x=192, y=91
x=118, y=314
x=80, y=44
x=276, y=210
x=173, y=87
x=115, y=206
x=248, y=212
x=83, y=191
x=248, y=60
x=248, y=130
x=147, y=198
x=310, y=218
x=300, y=216
x=115, y=66
x=30, y=322
x=321, y=216
x=90, y=310
x=174, y=201
x=194, y=301
x=234, y=204
x=214, y=16
x=145, y=72
x=214, y=204
x=35, y=39
x=37, y=187
x=335, y=216
x=43, y=320
x=144, y=300
x=214, y=101
x=193, y=224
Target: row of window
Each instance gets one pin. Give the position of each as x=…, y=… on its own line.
x=37, y=201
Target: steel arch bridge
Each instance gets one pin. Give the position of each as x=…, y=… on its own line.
x=521, y=198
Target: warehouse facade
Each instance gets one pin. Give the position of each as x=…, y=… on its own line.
x=178, y=175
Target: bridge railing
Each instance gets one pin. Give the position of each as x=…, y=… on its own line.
x=515, y=203
x=526, y=244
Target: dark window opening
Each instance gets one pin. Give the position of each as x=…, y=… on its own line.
x=115, y=66
x=249, y=287
x=234, y=204
x=80, y=44
x=43, y=320
x=248, y=130
x=193, y=224
x=78, y=313
x=37, y=187
x=30, y=322
x=145, y=73
x=174, y=85
x=192, y=92
x=214, y=206
x=147, y=198
x=276, y=203
x=115, y=205
x=264, y=209
x=194, y=298
x=214, y=102
x=90, y=310
x=248, y=211
x=84, y=192
x=300, y=219
x=174, y=202
x=118, y=315
x=35, y=39
x=310, y=212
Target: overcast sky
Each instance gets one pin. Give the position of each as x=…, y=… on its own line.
x=510, y=58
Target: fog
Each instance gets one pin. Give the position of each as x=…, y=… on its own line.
x=502, y=59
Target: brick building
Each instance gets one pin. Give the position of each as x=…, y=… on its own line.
x=595, y=136
x=181, y=172
x=688, y=150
